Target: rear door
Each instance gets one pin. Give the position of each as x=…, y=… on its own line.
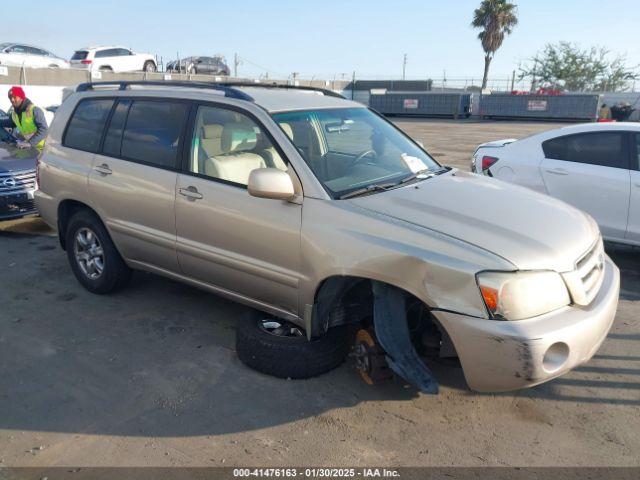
x=134, y=177
x=633, y=227
x=227, y=238
x=591, y=172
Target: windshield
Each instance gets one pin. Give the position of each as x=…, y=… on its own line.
x=349, y=149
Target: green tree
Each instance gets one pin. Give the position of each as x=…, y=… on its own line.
x=496, y=18
x=565, y=66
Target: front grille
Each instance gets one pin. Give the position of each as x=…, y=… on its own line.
x=584, y=282
x=17, y=182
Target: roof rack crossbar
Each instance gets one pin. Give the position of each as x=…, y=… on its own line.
x=124, y=84
x=325, y=91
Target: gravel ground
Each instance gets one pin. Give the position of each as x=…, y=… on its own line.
x=149, y=377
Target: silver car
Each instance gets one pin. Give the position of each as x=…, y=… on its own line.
x=339, y=230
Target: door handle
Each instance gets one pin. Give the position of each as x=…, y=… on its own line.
x=191, y=193
x=103, y=169
x=558, y=171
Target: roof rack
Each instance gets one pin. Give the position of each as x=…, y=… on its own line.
x=124, y=84
x=230, y=89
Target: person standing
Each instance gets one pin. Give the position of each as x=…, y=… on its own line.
x=27, y=120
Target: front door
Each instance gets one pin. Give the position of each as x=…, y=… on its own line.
x=244, y=245
x=591, y=172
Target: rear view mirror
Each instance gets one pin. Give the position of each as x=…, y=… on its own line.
x=270, y=183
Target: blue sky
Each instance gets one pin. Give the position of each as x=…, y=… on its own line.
x=328, y=38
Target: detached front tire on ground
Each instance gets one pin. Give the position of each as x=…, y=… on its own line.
x=281, y=349
x=93, y=257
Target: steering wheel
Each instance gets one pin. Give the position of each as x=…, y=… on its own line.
x=361, y=155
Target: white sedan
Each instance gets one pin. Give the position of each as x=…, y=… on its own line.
x=21, y=55
x=593, y=166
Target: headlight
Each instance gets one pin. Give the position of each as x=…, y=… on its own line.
x=520, y=295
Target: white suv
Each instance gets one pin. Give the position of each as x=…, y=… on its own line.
x=113, y=59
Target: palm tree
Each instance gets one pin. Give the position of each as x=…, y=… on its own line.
x=497, y=19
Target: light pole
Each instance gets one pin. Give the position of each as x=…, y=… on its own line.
x=404, y=66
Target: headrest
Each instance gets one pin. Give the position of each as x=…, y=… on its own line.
x=238, y=137
x=212, y=131
x=287, y=129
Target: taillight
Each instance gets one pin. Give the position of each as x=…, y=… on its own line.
x=85, y=62
x=487, y=162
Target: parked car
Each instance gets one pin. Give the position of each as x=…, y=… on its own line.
x=113, y=59
x=593, y=167
x=327, y=219
x=199, y=65
x=19, y=54
x=17, y=177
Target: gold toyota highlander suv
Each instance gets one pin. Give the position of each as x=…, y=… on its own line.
x=336, y=227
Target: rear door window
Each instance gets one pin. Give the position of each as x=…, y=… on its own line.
x=113, y=137
x=153, y=132
x=598, y=148
x=85, y=128
x=111, y=52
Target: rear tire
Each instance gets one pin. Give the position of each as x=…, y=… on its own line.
x=289, y=356
x=93, y=257
x=149, y=66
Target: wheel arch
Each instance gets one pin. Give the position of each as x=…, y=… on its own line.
x=341, y=299
x=67, y=209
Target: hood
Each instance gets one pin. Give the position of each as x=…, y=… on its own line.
x=12, y=158
x=530, y=230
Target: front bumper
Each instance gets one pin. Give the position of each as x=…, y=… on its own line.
x=17, y=205
x=500, y=356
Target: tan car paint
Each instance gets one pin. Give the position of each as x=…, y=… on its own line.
x=275, y=254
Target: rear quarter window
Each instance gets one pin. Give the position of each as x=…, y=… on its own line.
x=85, y=128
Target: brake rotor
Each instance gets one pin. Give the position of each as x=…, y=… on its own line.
x=370, y=358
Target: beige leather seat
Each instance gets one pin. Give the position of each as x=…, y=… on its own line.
x=236, y=162
x=271, y=155
x=211, y=139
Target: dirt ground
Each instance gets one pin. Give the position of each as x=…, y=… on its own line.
x=150, y=377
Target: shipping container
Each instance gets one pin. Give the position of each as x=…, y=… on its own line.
x=426, y=104
x=552, y=107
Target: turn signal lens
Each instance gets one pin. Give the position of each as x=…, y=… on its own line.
x=490, y=296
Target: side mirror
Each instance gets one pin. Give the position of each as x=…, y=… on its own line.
x=270, y=183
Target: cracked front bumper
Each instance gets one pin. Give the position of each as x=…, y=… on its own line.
x=499, y=356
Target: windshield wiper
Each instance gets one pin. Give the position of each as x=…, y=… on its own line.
x=376, y=187
x=423, y=174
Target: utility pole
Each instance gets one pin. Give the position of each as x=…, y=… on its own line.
x=353, y=83
x=236, y=62
x=513, y=79
x=404, y=66
x=294, y=75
